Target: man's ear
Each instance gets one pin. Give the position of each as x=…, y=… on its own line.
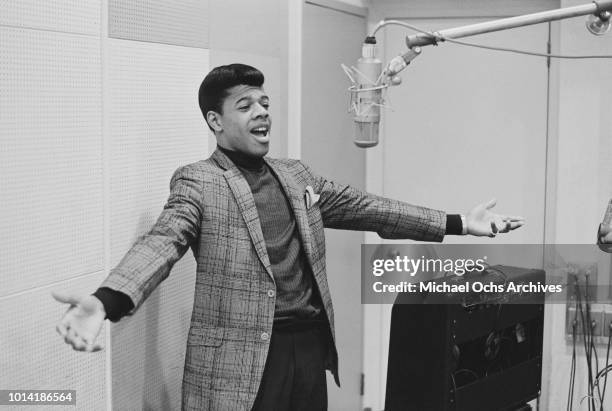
x=214, y=120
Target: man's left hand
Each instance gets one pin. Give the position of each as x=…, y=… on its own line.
x=481, y=221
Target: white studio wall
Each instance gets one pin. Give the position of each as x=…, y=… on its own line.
x=52, y=190
x=51, y=126
x=468, y=125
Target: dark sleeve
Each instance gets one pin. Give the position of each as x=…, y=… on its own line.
x=116, y=304
x=453, y=224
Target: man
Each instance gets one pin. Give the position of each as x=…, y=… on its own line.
x=262, y=328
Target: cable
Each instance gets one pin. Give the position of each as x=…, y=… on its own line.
x=529, y=53
x=585, y=334
x=437, y=38
x=570, y=394
x=603, y=373
x=586, y=351
x=592, y=348
x=594, y=351
x=603, y=394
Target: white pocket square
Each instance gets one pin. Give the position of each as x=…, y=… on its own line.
x=310, y=197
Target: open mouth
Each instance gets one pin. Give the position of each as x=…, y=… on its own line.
x=261, y=132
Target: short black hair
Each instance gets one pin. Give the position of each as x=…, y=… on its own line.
x=215, y=86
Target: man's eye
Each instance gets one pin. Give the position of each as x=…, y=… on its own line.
x=266, y=106
x=243, y=108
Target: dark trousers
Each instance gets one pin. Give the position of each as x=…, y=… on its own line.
x=294, y=375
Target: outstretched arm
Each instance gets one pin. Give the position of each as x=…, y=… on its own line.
x=151, y=258
x=346, y=207
x=145, y=265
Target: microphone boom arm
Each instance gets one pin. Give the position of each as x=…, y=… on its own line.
x=598, y=8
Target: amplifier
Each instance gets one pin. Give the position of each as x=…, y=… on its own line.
x=469, y=351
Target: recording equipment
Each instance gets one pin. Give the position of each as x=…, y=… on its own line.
x=468, y=352
x=369, y=81
x=367, y=95
x=604, y=228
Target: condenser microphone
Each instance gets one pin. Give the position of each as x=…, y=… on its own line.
x=369, y=81
x=367, y=99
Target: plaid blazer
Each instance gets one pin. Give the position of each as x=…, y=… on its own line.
x=211, y=209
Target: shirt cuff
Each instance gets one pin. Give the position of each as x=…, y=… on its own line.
x=454, y=224
x=116, y=304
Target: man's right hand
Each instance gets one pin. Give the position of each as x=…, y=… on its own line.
x=82, y=322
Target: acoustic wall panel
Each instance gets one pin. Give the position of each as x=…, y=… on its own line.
x=178, y=22
x=73, y=16
x=253, y=26
x=155, y=126
x=149, y=347
x=51, y=212
x=33, y=356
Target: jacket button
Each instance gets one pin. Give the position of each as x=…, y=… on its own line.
x=265, y=336
x=271, y=293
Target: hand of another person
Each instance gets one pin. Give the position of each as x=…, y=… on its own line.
x=481, y=221
x=82, y=322
x=605, y=234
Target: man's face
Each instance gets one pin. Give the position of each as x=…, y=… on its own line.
x=245, y=123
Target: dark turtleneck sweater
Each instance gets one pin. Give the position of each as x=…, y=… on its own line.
x=297, y=297
x=296, y=294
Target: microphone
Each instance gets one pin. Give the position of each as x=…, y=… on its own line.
x=369, y=81
x=367, y=95
x=604, y=229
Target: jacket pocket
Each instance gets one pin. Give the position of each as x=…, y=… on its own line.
x=209, y=336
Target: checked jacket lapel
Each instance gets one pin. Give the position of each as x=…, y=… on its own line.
x=246, y=203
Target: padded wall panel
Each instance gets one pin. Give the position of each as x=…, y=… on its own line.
x=149, y=347
x=271, y=67
x=155, y=126
x=74, y=16
x=178, y=22
x=34, y=356
x=253, y=26
x=51, y=158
